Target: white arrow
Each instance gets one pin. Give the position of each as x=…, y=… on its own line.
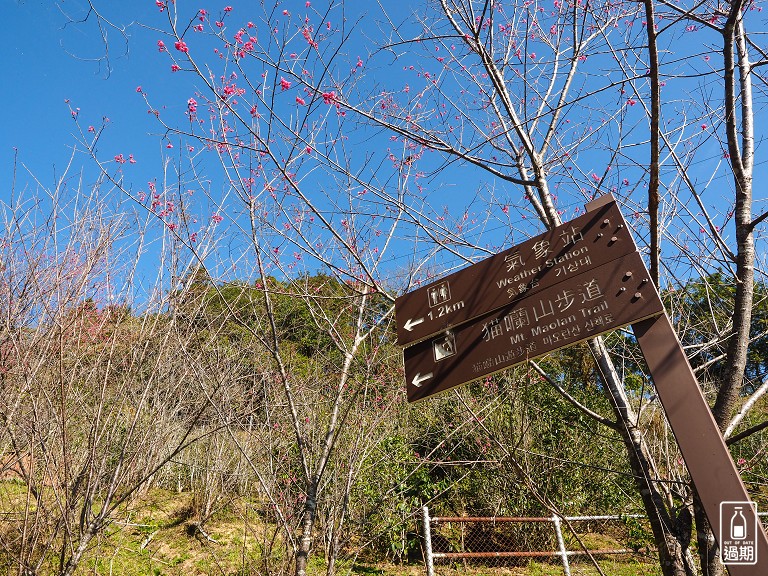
x=409, y=325
x=418, y=379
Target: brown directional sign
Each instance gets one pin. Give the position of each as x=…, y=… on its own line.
x=586, y=242
x=515, y=306
x=590, y=303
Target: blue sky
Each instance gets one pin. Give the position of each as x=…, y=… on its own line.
x=47, y=62
x=50, y=58
x=57, y=62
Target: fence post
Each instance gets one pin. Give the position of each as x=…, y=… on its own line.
x=428, y=560
x=561, y=545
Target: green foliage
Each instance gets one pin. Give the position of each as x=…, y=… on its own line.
x=638, y=533
x=310, y=313
x=390, y=494
x=508, y=445
x=703, y=309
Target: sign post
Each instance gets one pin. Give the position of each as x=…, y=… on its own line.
x=570, y=284
x=707, y=457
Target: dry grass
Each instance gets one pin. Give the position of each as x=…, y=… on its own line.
x=156, y=535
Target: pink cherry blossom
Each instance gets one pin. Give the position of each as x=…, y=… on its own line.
x=284, y=84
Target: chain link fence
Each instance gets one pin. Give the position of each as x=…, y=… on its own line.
x=575, y=543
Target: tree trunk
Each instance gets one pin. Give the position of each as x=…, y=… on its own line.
x=77, y=555
x=671, y=534
x=709, y=552
x=741, y=150
x=307, y=525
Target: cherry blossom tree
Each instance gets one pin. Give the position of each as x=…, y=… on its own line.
x=91, y=386
x=297, y=203
x=540, y=119
x=338, y=154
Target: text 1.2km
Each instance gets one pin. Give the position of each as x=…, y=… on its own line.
x=444, y=309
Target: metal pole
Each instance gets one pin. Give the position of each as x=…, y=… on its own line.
x=428, y=560
x=561, y=545
x=707, y=457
